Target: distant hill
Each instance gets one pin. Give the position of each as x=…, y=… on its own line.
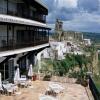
x=95, y=37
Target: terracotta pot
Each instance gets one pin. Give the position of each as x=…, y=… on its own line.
x=34, y=77
x=84, y=83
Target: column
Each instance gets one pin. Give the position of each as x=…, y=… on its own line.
x=39, y=63
x=42, y=34
x=4, y=72
x=27, y=63
x=7, y=35
x=13, y=38
x=48, y=35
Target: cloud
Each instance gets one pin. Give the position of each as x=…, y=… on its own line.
x=84, y=22
x=82, y=15
x=89, y=5
x=66, y=3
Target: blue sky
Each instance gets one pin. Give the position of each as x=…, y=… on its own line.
x=78, y=15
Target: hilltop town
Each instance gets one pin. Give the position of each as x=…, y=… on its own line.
x=37, y=65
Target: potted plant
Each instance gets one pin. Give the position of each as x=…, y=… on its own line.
x=34, y=77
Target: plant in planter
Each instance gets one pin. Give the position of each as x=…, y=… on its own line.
x=82, y=79
x=47, y=78
x=84, y=83
x=34, y=77
x=81, y=60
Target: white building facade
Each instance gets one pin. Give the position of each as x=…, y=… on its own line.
x=23, y=34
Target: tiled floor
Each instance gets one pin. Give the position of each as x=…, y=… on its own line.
x=71, y=92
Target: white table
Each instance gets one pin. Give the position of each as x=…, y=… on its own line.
x=46, y=97
x=10, y=86
x=56, y=87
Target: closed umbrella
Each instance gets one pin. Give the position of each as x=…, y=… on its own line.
x=0, y=83
x=30, y=71
x=17, y=75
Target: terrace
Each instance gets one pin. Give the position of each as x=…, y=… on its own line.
x=71, y=91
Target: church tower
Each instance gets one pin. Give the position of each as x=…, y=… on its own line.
x=58, y=25
x=59, y=28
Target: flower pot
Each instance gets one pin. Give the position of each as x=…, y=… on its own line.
x=84, y=83
x=34, y=77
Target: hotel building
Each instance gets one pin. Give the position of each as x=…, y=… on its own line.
x=23, y=34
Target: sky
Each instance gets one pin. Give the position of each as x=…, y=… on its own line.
x=77, y=15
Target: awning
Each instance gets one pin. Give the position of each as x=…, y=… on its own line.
x=41, y=3
x=22, y=50
x=2, y=59
x=23, y=21
x=5, y=59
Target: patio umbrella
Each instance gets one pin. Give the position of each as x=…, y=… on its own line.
x=17, y=75
x=30, y=71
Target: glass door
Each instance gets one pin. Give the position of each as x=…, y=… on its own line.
x=11, y=69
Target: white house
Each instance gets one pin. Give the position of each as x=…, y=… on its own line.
x=87, y=42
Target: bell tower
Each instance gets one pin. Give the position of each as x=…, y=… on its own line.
x=58, y=25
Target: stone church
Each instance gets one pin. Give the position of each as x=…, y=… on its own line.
x=66, y=35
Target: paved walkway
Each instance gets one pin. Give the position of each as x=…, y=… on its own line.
x=71, y=92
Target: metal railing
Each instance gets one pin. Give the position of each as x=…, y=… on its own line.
x=3, y=10
x=36, y=17
x=11, y=44
x=94, y=89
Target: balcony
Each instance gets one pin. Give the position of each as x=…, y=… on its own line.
x=36, y=16
x=23, y=11
x=11, y=44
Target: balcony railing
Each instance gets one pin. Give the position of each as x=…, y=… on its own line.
x=3, y=10
x=11, y=44
x=93, y=89
x=36, y=17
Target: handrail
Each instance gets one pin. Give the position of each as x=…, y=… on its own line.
x=11, y=44
x=36, y=16
x=94, y=89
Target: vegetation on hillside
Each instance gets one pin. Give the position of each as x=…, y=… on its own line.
x=73, y=65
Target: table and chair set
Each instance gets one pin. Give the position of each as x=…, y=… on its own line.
x=53, y=90
x=7, y=88
x=13, y=88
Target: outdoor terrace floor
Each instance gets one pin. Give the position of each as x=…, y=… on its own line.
x=71, y=92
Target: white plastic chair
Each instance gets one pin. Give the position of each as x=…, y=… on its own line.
x=8, y=89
